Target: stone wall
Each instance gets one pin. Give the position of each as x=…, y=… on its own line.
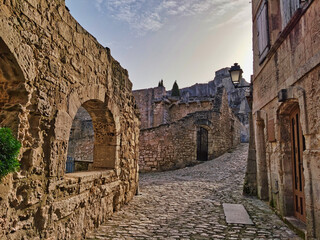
x=236, y=96
x=292, y=66
x=50, y=67
x=145, y=100
x=157, y=106
x=174, y=145
x=181, y=109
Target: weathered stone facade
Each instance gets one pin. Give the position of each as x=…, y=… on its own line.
x=286, y=109
x=236, y=96
x=50, y=67
x=172, y=127
x=196, y=97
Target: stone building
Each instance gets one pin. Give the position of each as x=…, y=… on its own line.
x=181, y=131
x=50, y=67
x=286, y=109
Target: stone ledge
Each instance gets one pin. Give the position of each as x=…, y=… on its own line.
x=296, y=225
x=89, y=173
x=89, y=176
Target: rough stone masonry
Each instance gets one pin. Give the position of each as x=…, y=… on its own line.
x=174, y=141
x=49, y=67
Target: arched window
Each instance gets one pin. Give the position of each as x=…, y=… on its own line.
x=81, y=142
x=93, y=139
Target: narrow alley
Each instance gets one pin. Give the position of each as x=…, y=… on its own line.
x=187, y=204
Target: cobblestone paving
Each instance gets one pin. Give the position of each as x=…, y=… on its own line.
x=187, y=204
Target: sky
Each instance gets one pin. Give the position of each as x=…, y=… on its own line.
x=174, y=40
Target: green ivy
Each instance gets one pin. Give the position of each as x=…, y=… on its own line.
x=9, y=151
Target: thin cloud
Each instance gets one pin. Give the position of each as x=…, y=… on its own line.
x=151, y=15
x=239, y=18
x=98, y=4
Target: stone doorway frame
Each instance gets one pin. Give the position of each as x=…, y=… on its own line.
x=295, y=97
x=206, y=124
x=201, y=156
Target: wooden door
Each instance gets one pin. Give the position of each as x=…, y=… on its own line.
x=202, y=144
x=297, y=141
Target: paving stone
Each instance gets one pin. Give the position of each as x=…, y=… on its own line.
x=236, y=213
x=187, y=204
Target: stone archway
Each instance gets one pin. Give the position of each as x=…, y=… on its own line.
x=46, y=73
x=294, y=98
x=202, y=144
x=105, y=135
x=100, y=136
x=204, y=128
x=288, y=167
x=13, y=93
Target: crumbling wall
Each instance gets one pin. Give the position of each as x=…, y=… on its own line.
x=49, y=67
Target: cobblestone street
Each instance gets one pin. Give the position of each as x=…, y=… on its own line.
x=187, y=204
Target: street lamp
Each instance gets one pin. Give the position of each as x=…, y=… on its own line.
x=236, y=74
x=249, y=186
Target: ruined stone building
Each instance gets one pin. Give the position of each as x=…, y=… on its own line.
x=198, y=126
x=286, y=108
x=51, y=70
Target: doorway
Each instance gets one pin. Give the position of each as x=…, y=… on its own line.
x=202, y=144
x=298, y=146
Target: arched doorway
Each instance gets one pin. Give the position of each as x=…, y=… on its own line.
x=297, y=148
x=202, y=144
x=93, y=139
x=292, y=143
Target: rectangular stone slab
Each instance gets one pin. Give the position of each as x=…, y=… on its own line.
x=236, y=213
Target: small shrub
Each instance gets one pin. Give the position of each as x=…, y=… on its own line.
x=9, y=150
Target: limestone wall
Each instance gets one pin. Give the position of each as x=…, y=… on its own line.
x=49, y=67
x=292, y=65
x=174, y=145
x=182, y=109
x=157, y=106
x=145, y=100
